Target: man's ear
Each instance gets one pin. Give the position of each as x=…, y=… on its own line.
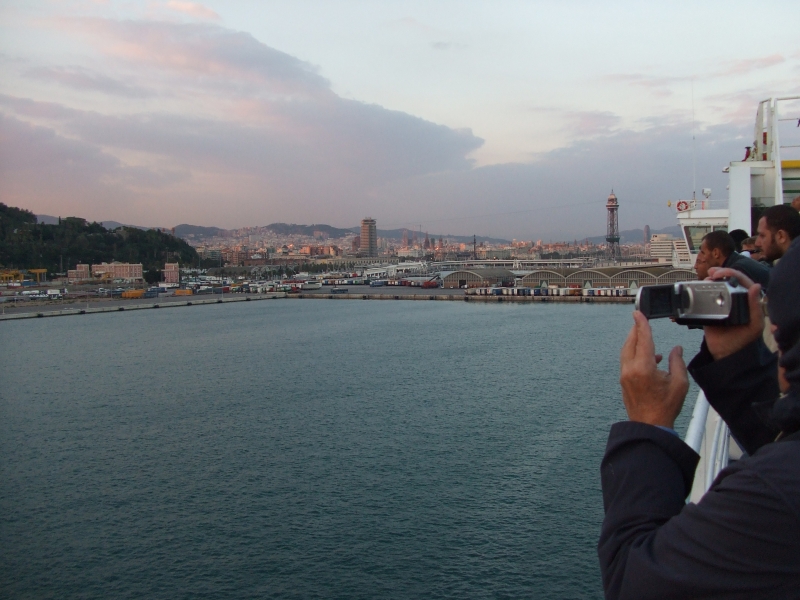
x=716, y=253
x=781, y=238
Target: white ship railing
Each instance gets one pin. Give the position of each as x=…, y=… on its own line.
x=719, y=452
x=708, y=435
x=697, y=425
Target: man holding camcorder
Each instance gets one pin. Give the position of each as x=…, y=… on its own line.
x=742, y=540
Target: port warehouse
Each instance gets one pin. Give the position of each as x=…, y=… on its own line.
x=602, y=277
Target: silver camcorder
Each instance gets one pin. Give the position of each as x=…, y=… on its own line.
x=696, y=303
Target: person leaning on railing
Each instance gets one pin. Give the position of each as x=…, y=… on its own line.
x=749, y=248
x=718, y=249
x=742, y=540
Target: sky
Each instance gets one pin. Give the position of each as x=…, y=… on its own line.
x=501, y=118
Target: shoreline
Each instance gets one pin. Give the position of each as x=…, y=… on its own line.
x=39, y=312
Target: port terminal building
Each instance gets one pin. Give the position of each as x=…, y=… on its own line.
x=598, y=277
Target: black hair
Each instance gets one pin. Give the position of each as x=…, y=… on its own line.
x=784, y=217
x=739, y=236
x=721, y=241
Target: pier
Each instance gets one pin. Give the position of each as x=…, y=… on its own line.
x=116, y=306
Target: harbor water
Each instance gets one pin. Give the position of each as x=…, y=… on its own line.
x=298, y=449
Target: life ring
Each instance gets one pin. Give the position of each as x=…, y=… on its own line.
x=682, y=206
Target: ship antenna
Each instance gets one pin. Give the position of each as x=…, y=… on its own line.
x=694, y=151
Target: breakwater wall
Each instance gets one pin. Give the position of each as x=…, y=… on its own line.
x=465, y=298
x=35, y=313
x=129, y=306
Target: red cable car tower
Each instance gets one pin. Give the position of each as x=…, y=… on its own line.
x=612, y=231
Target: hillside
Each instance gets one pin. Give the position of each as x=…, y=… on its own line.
x=308, y=230
x=198, y=233
x=51, y=220
x=26, y=244
x=636, y=236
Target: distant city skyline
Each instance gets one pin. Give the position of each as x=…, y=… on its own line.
x=509, y=119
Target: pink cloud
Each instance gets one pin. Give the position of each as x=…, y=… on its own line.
x=659, y=85
x=656, y=85
x=741, y=67
x=193, y=9
x=582, y=123
x=588, y=123
x=205, y=54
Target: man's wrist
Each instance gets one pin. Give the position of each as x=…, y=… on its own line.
x=668, y=430
x=662, y=422
x=718, y=352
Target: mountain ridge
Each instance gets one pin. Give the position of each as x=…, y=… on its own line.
x=185, y=230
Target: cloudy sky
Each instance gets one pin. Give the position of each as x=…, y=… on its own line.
x=501, y=118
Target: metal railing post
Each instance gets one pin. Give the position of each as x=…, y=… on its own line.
x=697, y=424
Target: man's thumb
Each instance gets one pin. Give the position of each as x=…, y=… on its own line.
x=677, y=368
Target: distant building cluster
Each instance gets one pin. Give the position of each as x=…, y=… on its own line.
x=110, y=271
x=255, y=246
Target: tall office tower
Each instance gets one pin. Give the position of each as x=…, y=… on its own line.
x=647, y=234
x=369, y=237
x=612, y=232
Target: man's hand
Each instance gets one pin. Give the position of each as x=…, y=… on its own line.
x=650, y=395
x=723, y=341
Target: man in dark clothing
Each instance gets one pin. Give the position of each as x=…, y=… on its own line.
x=719, y=250
x=738, y=236
x=778, y=226
x=742, y=540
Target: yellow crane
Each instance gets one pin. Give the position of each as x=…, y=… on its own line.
x=39, y=273
x=7, y=275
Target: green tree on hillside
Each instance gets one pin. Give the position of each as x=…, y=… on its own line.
x=26, y=244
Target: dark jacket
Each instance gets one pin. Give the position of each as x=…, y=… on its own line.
x=742, y=540
x=758, y=272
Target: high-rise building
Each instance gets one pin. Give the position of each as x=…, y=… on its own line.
x=647, y=234
x=369, y=237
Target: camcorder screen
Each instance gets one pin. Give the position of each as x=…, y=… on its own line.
x=656, y=301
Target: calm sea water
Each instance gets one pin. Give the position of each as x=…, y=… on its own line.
x=309, y=449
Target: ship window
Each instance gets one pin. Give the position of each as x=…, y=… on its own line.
x=694, y=236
